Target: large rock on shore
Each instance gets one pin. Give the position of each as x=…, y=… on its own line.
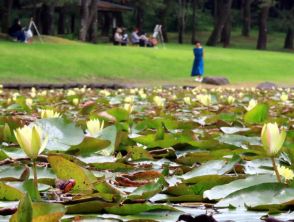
x=218, y=81
x=267, y=86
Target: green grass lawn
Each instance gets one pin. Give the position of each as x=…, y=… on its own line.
x=66, y=61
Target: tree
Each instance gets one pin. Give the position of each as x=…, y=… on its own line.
x=265, y=5
x=88, y=31
x=222, y=19
x=182, y=16
x=193, y=38
x=246, y=17
x=6, y=14
x=163, y=13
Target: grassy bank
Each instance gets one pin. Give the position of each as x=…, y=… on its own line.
x=66, y=61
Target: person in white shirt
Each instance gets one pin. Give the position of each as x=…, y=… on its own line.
x=138, y=39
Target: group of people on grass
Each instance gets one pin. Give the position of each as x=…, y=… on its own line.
x=138, y=37
x=19, y=33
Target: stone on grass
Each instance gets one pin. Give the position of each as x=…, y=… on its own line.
x=267, y=86
x=216, y=81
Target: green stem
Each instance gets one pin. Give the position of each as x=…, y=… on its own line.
x=35, y=176
x=276, y=169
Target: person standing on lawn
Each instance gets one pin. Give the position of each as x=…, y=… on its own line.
x=198, y=65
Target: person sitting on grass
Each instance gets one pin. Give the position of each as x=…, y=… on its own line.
x=138, y=38
x=198, y=66
x=16, y=31
x=118, y=37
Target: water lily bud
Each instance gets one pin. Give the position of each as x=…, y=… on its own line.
x=284, y=97
x=47, y=113
x=75, y=101
x=95, y=127
x=6, y=132
x=187, y=100
x=251, y=105
x=205, y=100
x=31, y=140
x=231, y=100
x=272, y=138
x=159, y=101
x=286, y=173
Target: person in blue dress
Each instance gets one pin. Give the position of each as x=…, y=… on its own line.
x=198, y=66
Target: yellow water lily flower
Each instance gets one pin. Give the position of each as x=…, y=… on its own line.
x=187, y=100
x=285, y=172
x=284, y=97
x=29, y=102
x=129, y=99
x=31, y=140
x=71, y=92
x=75, y=101
x=251, y=105
x=205, y=100
x=95, y=127
x=272, y=138
x=47, y=113
x=105, y=93
x=159, y=101
x=128, y=107
x=231, y=100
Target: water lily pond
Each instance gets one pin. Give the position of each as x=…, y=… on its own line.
x=146, y=154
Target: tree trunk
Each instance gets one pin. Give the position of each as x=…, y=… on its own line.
x=107, y=24
x=224, y=10
x=226, y=33
x=6, y=15
x=193, y=39
x=182, y=20
x=262, y=35
x=246, y=17
x=289, y=39
x=162, y=18
x=73, y=23
x=88, y=16
x=93, y=29
x=140, y=18
x=47, y=15
x=61, y=21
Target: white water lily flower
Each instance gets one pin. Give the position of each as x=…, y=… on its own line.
x=31, y=140
x=47, y=113
x=187, y=100
x=272, y=138
x=285, y=172
x=95, y=127
x=251, y=105
x=159, y=101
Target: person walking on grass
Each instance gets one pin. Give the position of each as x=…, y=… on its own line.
x=198, y=65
